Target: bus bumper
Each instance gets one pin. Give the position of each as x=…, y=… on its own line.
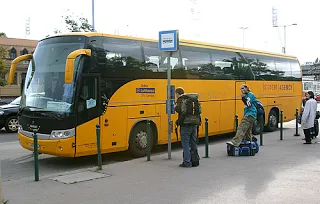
x=62, y=147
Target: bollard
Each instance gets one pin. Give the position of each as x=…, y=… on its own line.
x=148, y=141
x=35, y=153
x=99, y=147
x=297, y=129
x=261, y=129
x=207, y=138
x=0, y=184
x=237, y=122
x=281, y=125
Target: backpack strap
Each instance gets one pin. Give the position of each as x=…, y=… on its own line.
x=176, y=131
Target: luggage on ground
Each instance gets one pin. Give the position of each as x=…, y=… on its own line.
x=246, y=148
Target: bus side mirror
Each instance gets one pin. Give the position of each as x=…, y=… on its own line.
x=14, y=64
x=69, y=69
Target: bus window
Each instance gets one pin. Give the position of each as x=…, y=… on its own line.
x=295, y=69
x=263, y=67
x=223, y=66
x=196, y=61
x=283, y=68
x=89, y=102
x=157, y=62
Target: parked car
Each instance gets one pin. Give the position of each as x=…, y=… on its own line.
x=2, y=102
x=8, y=115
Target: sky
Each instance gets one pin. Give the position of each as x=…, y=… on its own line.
x=214, y=21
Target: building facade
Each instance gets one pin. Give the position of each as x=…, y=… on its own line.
x=15, y=47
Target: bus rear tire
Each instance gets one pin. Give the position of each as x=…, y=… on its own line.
x=256, y=128
x=138, y=140
x=272, y=121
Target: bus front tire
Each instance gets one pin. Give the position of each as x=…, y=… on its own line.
x=138, y=140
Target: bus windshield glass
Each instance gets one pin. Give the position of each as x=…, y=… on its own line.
x=44, y=88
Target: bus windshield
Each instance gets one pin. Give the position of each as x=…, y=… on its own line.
x=44, y=88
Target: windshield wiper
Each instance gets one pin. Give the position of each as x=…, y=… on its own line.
x=28, y=108
x=51, y=115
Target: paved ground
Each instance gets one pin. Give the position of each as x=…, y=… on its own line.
x=17, y=163
x=282, y=172
x=7, y=137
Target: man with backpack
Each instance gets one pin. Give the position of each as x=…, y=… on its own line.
x=189, y=110
x=251, y=105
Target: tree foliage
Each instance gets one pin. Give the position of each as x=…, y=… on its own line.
x=2, y=34
x=77, y=25
x=74, y=24
x=3, y=69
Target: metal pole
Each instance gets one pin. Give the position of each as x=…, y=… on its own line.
x=207, y=138
x=281, y=125
x=99, y=147
x=243, y=37
x=35, y=153
x=92, y=15
x=284, y=39
x=169, y=105
x=243, y=28
x=261, y=130
x=297, y=128
x=148, y=141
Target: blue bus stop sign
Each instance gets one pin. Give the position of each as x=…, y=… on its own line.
x=168, y=40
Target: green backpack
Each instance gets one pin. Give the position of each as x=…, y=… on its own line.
x=191, y=109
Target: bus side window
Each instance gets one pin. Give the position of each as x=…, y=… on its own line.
x=88, y=100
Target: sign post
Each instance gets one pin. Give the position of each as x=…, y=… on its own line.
x=169, y=42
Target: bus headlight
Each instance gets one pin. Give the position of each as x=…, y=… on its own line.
x=60, y=134
x=19, y=128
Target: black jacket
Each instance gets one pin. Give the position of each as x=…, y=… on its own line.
x=178, y=110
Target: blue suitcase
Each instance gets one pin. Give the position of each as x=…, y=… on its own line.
x=246, y=148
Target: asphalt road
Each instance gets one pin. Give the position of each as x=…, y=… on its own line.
x=283, y=172
x=7, y=137
x=17, y=162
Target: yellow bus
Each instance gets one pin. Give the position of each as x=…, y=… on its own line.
x=76, y=81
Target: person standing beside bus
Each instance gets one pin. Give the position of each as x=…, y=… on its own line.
x=308, y=116
x=244, y=130
x=188, y=126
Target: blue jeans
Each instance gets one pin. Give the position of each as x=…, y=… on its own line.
x=188, y=135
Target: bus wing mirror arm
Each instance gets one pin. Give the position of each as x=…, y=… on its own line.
x=14, y=64
x=69, y=69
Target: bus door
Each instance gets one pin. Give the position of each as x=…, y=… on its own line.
x=89, y=110
x=239, y=103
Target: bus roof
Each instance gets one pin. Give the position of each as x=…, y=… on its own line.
x=182, y=42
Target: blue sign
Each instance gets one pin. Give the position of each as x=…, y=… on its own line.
x=146, y=90
x=168, y=40
x=172, y=101
x=172, y=90
x=171, y=106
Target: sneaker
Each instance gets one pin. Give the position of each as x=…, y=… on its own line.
x=254, y=139
x=307, y=143
x=185, y=165
x=230, y=143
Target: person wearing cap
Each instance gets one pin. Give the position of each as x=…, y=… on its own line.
x=244, y=130
x=308, y=116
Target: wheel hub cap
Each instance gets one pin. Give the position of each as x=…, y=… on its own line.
x=13, y=124
x=141, y=139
